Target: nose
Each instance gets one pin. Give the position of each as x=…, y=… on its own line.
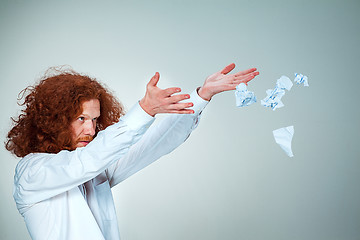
x=89, y=128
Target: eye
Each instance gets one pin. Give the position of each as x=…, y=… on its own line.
x=81, y=119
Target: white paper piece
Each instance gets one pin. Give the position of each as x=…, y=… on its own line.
x=243, y=96
x=273, y=98
x=301, y=79
x=283, y=137
x=284, y=83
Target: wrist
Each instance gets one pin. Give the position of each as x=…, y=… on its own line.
x=146, y=107
x=204, y=93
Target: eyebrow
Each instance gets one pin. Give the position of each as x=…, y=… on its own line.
x=87, y=116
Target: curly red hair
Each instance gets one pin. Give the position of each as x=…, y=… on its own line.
x=51, y=106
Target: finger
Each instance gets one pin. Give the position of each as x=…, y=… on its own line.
x=252, y=74
x=244, y=79
x=230, y=87
x=244, y=72
x=154, y=80
x=178, y=98
x=182, y=111
x=179, y=106
x=170, y=91
x=228, y=68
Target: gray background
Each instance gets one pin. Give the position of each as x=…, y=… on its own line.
x=230, y=180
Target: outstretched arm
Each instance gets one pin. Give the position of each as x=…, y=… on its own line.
x=159, y=140
x=174, y=129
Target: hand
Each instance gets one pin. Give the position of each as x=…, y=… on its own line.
x=158, y=100
x=220, y=82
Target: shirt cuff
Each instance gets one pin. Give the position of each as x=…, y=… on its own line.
x=136, y=118
x=199, y=103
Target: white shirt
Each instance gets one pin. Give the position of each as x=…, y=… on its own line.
x=68, y=195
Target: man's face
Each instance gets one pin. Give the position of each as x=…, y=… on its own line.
x=83, y=128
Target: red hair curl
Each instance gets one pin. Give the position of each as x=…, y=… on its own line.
x=51, y=106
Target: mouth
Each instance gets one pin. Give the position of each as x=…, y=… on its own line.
x=83, y=143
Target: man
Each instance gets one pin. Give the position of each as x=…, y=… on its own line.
x=76, y=144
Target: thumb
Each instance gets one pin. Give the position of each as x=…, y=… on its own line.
x=154, y=80
x=228, y=68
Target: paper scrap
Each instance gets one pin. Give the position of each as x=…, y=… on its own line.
x=301, y=79
x=283, y=137
x=273, y=99
x=243, y=96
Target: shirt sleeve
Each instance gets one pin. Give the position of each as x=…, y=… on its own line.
x=39, y=176
x=159, y=140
